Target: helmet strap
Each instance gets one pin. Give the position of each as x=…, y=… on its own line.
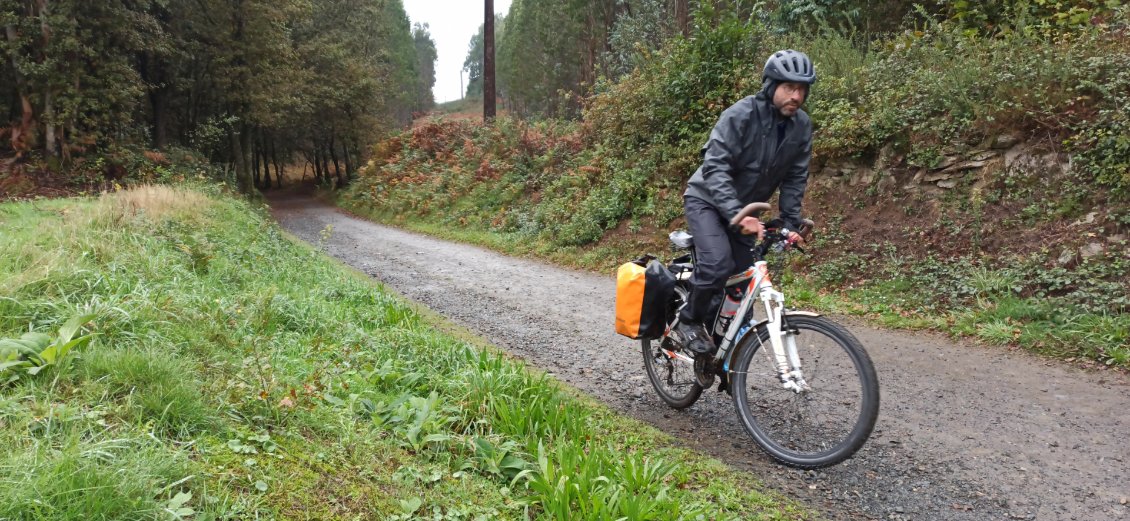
x=769, y=87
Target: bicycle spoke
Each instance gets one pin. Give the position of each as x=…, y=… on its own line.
x=820, y=426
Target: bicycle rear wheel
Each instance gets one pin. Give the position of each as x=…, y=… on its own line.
x=671, y=372
x=816, y=428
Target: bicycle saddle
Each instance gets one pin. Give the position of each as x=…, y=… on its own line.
x=681, y=239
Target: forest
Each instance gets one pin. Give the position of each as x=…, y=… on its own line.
x=122, y=88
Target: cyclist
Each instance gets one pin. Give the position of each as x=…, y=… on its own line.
x=760, y=144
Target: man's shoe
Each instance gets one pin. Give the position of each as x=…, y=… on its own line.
x=695, y=338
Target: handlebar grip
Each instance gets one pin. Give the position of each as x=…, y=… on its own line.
x=806, y=226
x=749, y=210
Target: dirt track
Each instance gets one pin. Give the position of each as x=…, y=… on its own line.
x=965, y=432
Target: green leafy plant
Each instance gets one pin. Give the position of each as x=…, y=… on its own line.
x=34, y=352
x=502, y=460
x=574, y=481
x=253, y=444
x=418, y=420
x=176, y=506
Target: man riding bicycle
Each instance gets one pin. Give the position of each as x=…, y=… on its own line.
x=760, y=144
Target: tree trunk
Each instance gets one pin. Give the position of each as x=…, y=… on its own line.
x=153, y=73
x=240, y=143
x=682, y=17
x=265, y=160
x=19, y=136
x=264, y=168
x=337, y=168
x=317, y=164
x=255, y=178
x=48, y=117
x=588, y=67
x=325, y=164
x=348, y=164
x=245, y=138
x=488, y=63
x=234, y=150
x=278, y=167
x=48, y=99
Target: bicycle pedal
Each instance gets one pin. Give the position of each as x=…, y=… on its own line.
x=724, y=384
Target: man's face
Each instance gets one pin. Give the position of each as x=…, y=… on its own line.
x=789, y=96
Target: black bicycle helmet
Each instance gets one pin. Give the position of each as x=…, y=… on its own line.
x=789, y=65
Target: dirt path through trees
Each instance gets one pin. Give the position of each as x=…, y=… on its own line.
x=965, y=432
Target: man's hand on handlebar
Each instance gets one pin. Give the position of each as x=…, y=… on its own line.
x=796, y=238
x=752, y=226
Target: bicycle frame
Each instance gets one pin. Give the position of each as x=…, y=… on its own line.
x=784, y=355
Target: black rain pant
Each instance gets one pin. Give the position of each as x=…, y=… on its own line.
x=719, y=253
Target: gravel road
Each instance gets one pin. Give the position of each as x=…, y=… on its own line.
x=965, y=432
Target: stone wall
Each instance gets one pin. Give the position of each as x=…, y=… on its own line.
x=977, y=164
x=973, y=169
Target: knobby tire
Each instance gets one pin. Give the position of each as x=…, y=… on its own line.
x=818, y=428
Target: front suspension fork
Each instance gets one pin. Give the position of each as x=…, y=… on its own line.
x=785, y=357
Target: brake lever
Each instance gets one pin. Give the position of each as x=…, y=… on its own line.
x=789, y=243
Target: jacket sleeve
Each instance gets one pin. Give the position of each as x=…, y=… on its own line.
x=794, y=185
x=718, y=156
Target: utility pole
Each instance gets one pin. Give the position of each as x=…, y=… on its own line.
x=488, y=62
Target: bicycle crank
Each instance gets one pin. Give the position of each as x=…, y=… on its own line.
x=704, y=371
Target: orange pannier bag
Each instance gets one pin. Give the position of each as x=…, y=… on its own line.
x=643, y=288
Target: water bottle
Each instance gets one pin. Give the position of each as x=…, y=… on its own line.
x=731, y=300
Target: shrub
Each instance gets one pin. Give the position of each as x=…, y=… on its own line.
x=926, y=93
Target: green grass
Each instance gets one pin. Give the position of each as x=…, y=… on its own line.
x=229, y=373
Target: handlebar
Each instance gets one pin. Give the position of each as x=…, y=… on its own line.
x=806, y=225
x=748, y=211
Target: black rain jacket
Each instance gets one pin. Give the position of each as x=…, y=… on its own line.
x=743, y=162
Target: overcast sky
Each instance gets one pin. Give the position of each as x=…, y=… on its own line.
x=451, y=23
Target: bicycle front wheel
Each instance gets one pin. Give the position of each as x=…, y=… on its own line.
x=671, y=373
x=819, y=427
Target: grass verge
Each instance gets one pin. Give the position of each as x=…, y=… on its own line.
x=206, y=367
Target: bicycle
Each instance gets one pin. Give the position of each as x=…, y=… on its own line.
x=809, y=416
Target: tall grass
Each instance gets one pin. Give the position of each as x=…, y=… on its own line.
x=232, y=374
